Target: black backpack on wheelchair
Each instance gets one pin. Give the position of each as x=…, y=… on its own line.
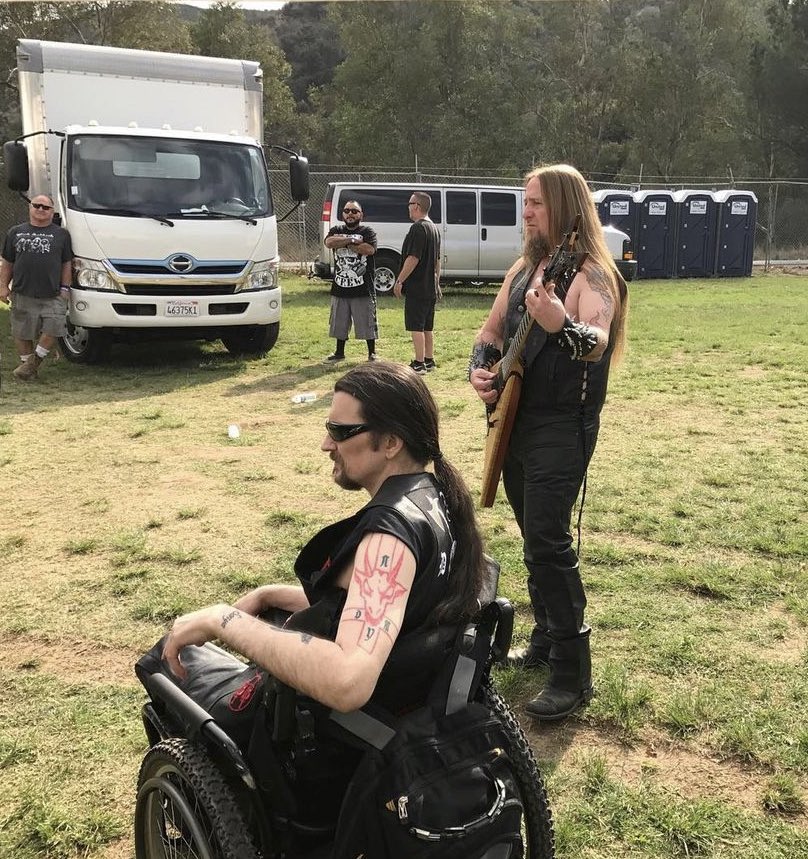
x=241, y=766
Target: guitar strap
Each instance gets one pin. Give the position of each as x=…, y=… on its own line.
x=516, y=310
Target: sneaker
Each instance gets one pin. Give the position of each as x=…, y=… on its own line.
x=430, y=364
x=333, y=359
x=373, y=357
x=419, y=367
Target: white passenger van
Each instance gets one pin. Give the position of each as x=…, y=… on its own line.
x=480, y=227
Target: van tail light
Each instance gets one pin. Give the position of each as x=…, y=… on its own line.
x=628, y=253
x=326, y=211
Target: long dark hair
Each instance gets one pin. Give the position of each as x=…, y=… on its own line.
x=396, y=400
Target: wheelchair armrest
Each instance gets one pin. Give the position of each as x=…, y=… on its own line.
x=197, y=722
x=504, y=630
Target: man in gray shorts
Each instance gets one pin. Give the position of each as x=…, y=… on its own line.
x=38, y=259
x=353, y=295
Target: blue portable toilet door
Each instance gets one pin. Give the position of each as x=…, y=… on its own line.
x=735, y=237
x=695, y=233
x=654, y=247
x=616, y=207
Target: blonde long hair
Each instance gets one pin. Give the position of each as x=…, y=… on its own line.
x=565, y=195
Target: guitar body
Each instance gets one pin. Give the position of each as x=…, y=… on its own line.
x=500, y=425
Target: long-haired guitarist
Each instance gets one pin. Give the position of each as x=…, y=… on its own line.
x=563, y=369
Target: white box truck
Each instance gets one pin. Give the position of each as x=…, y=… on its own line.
x=480, y=227
x=156, y=167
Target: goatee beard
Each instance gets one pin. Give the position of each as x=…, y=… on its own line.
x=535, y=249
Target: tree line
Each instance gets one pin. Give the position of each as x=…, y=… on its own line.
x=663, y=89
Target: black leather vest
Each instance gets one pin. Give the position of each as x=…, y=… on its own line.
x=554, y=384
x=409, y=506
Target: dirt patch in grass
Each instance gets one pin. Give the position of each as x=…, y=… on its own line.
x=690, y=773
x=71, y=660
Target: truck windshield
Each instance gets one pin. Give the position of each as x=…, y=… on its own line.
x=155, y=176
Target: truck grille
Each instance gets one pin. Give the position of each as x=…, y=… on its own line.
x=191, y=290
x=158, y=267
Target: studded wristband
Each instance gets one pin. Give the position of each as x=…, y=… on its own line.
x=577, y=338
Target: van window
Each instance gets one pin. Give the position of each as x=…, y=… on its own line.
x=386, y=205
x=498, y=209
x=461, y=207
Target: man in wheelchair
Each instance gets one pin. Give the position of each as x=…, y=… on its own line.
x=379, y=657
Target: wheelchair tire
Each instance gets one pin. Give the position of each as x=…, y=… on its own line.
x=537, y=824
x=186, y=808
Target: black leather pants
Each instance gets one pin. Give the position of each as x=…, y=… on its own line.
x=543, y=472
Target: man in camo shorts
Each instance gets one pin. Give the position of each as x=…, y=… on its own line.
x=38, y=260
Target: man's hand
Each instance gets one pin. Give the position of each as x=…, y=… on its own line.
x=545, y=306
x=5, y=294
x=197, y=628
x=481, y=380
x=397, y=288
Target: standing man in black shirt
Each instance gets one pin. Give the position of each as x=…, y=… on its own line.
x=353, y=294
x=419, y=281
x=38, y=258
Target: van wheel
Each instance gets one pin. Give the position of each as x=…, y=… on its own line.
x=251, y=340
x=85, y=345
x=387, y=266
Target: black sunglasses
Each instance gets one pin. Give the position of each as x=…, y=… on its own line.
x=351, y=211
x=342, y=432
x=40, y=206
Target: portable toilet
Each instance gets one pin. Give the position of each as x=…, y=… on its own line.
x=654, y=245
x=695, y=233
x=736, y=217
x=616, y=207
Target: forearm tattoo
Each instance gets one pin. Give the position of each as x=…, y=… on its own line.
x=483, y=357
x=231, y=615
x=577, y=338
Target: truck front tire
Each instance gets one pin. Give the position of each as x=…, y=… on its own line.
x=251, y=340
x=85, y=345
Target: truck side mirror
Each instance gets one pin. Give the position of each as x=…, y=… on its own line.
x=15, y=158
x=299, y=178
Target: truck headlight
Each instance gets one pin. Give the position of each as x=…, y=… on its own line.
x=263, y=275
x=91, y=274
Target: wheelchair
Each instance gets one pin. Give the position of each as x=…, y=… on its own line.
x=207, y=791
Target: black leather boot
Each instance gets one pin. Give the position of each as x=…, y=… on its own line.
x=569, y=686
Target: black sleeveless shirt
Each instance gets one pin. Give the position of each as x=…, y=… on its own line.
x=554, y=384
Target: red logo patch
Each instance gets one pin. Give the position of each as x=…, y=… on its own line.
x=241, y=698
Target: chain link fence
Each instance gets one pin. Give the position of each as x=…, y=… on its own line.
x=781, y=234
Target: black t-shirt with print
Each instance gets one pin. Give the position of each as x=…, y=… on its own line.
x=353, y=273
x=37, y=255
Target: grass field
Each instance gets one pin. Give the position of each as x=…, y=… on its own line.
x=125, y=503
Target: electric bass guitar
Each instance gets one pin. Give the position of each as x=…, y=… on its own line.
x=564, y=264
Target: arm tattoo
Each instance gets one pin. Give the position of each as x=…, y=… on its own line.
x=599, y=283
x=226, y=618
x=377, y=575
x=483, y=356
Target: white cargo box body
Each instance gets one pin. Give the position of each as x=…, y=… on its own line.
x=64, y=84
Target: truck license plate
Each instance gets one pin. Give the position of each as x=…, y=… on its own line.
x=182, y=308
